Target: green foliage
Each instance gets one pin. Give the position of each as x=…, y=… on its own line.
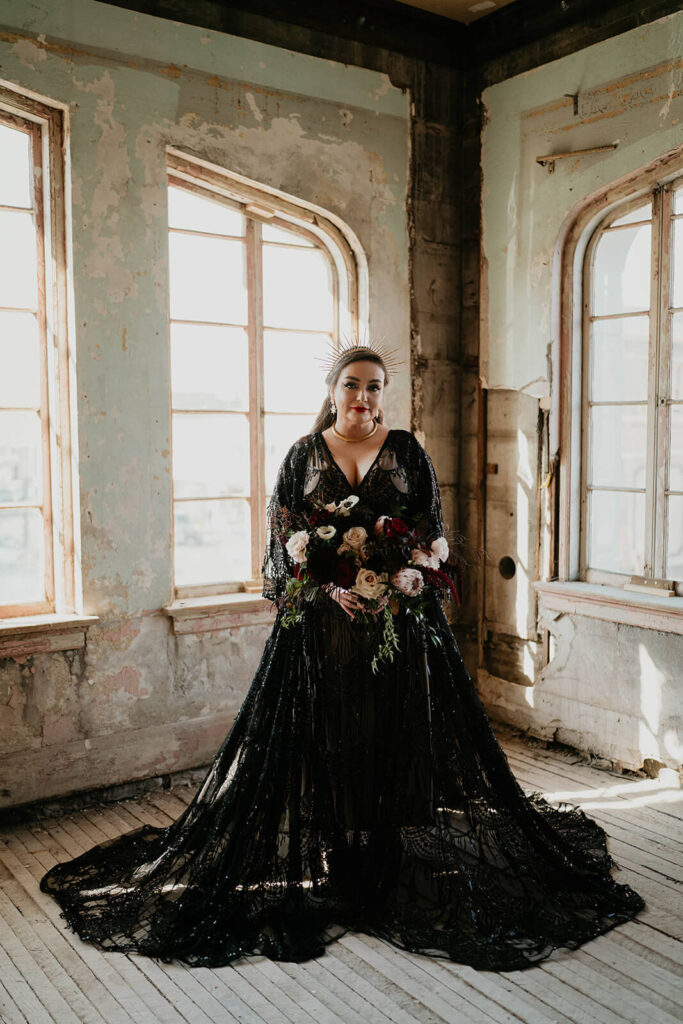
x=389, y=643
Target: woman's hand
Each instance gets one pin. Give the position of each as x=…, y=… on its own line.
x=349, y=600
x=346, y=599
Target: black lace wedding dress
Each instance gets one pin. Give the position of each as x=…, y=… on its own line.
x=343, y=799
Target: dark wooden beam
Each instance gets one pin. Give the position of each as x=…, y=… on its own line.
x=372, y=33
x=351, y=31
x=529, y=33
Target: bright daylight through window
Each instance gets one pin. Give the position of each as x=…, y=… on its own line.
x=254, y=302
x=633, y=392
x=26, y=556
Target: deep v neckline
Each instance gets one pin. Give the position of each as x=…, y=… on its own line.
x=334, y=462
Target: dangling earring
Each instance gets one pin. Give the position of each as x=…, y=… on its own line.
x=333, y=407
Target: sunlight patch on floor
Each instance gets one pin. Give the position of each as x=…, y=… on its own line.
x=666, y=789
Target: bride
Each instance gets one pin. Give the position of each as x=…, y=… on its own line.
x=350, y=798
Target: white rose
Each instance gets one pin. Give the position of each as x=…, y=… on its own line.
x=296, y=546
x=440, y=548
x=420, y=557
x=408, y=581
x=368, y=584
x=326, y=532
x=356, y=537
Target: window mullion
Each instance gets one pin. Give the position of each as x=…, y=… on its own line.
x=586, y=347
x=256, y=431
x=650, y=547
x=45, y=418
x=663, y=439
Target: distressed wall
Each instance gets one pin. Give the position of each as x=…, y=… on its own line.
x=138, y=700
x=628, y=92
x=607, y=687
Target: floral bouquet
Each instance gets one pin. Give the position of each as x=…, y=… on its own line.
x=385, y=559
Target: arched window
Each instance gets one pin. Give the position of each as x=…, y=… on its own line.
x=39, y=571
x=259, y=288
x=631, y=481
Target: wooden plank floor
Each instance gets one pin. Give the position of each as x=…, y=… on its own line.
x=631, y=974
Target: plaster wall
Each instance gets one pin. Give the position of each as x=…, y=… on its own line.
x=608, y=688
x=138, y=700
x=628, y=92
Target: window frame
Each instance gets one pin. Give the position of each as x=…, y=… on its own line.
x=567, y=434
x=657, y=427
x=48, y=128
x=262, y=205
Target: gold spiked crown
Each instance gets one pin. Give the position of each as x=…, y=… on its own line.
x=335, y=352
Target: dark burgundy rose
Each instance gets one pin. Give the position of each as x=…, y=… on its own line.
x=397, y=529
x=321, y=564
x=345, y=573
x=319, y=517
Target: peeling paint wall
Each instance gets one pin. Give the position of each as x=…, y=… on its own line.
x=608, y=688
x=629, y=92
x=139, y=701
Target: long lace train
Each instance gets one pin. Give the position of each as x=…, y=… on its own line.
x=342, y=799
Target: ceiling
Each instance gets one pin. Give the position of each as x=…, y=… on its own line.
x=464, y=11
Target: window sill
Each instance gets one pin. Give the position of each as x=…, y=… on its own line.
x=225, y=611
x=600, y=601
x=41, y=634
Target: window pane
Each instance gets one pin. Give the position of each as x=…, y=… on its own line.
x=619, y=359
x=210, y=455
x=621, y=271
x=209, y=367
x=297, y=289
x=677, y=355
x=280, y=434
x=677, y=268
x=617, y=442
x=19, y=360
x=642, y=213
x=198, y=213
x=18, y=268
x=678, y=200
x=674, y=559
x=294, y=381
x=272, y=234
x=212, y=542
x=676, y=450
x=207, y=279
x=21, y=477
x=616, y=531
x=21, y=556
x=15, y=167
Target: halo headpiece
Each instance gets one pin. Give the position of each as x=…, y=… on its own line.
x=334, y=353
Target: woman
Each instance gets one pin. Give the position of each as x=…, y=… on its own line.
x=346, y=798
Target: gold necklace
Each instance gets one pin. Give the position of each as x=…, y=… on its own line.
x=364, y=438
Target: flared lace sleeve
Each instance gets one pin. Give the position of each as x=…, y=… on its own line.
x=426, y=493
x=277, y=565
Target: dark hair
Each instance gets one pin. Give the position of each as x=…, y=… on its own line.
x=326, y=417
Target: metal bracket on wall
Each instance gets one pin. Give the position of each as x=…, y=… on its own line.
x=549, y=160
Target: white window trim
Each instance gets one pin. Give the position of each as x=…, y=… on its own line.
x=200, y=608
x=566, y=410
x=602, y=601
x=63, y=626
x=225, y=611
